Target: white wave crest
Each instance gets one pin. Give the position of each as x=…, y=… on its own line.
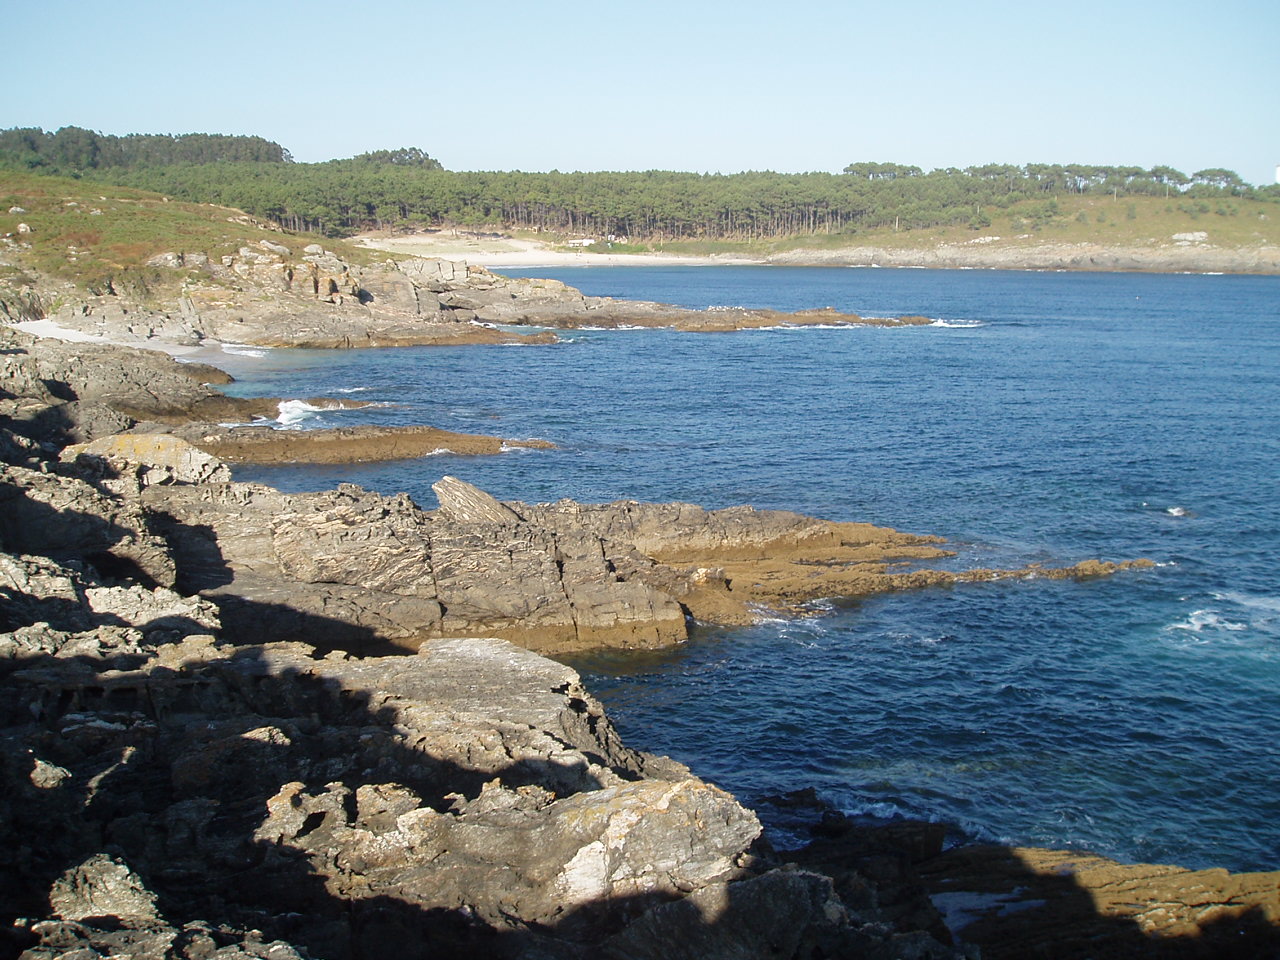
x=1201, y=620
x=295, y=411
x=956, y=324
x=244, y=350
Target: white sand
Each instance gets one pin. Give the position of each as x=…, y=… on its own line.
x=48, y=328
x=496, y=252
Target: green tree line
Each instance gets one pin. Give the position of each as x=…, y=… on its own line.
x=72, y=150
x=406, y=186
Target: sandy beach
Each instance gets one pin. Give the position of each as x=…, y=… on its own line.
x=208, y=350
x=496, y=252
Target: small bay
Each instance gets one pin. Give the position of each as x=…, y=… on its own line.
x=1044, y=417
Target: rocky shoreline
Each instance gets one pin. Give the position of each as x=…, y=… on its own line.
x=1192, y=252
x=243, y=723
x=1195, y=255
x=270, y=295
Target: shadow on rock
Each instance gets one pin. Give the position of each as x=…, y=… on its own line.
x=1015, y=903
x=468, y=801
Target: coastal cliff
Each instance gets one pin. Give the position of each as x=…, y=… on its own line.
x=199, y=274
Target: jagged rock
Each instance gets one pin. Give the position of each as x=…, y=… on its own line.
x=555, y=577
x=1021, y=902
x=137, y=384
x=102, y=887
x=153, y=458
x=65, y=611
x=65, y=518
x=785, y=913
x=464, y=503
x=37, y=590
x=471, y=799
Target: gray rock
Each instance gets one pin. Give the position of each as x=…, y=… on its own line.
x=464, y=503
x=102, y=886
x=152, y=458
x=65, y=518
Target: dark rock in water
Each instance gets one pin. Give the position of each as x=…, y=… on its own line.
x=1026, y=902
x=362, y=444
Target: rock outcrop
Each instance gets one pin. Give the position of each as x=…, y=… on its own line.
x=1009, y=903
x=1177, y=254
x=271, y=295
x=553, y=577
x=472, y=800
x=252, y=444
x=1026, y=902
x=88, y=395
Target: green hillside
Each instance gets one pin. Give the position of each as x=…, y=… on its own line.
x=100, y=237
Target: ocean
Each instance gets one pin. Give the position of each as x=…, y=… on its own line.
x=1042, y=418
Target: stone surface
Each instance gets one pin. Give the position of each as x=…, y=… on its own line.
x=69, y=518
x=470, y=800
x=553, y=577
x=1020, y=902
x=154, y=458
x=340, y=445
x=102, y=887
x=462, y=502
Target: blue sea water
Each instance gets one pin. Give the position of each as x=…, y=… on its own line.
x=1045, y=417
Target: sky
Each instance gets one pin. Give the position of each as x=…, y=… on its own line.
x=702, y=86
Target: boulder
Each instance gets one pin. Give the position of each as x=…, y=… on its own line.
x=463, y=502
x=153, y=458
x=102, y=886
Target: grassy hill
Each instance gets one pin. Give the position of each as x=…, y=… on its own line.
x=97, y=236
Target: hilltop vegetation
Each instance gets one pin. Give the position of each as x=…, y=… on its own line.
x=100, y=238
x=390, y=189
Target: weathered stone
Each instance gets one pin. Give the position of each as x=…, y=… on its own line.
x=1022, y=902
x=464, y=503
x=102, y=887
x=338, y=445
x=65, y=518
x=155, y=458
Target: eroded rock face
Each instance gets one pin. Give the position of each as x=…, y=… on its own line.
x=131, y=410
x=68, y=518
x=470, y=798
x=150, y=458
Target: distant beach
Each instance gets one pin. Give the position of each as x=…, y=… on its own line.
x=496, y=252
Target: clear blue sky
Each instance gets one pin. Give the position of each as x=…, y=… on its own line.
x=705, y=86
